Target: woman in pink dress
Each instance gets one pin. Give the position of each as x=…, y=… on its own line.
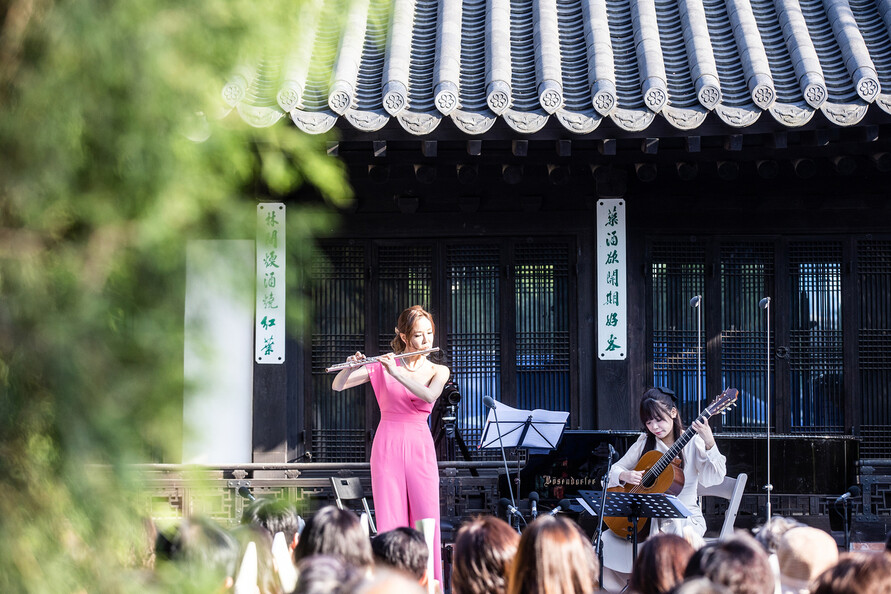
x=404, y=473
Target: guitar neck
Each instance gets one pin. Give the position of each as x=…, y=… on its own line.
x=675, y=449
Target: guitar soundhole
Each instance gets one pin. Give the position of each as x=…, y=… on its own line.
x=647, y=483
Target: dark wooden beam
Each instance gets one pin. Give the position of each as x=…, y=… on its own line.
x=520, y=148
x=559, y=175
x=844, y=164
x=531, y=203
x=646, y=172
x=564, y=148
x=767, y=168
x=429, y=148
x=728, y=170
x=333, y=149
x=407, y=203
x=469, y=203
x=467, y=173
x=687, y=171
x=379, y=173
x=380, y=148
x=270, y=418
x=649, y=146
x=474, y=148
x=425, y=173
x=804, y=168
x=609, y=181
x=608, y=146
x=882, y=161
x=870, y=133
x=733, y=142
x=778, y=140
x=512, y=174
x=694, y=144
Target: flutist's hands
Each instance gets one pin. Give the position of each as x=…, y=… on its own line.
x=355, y=360
x=352, y=376
x=389, y=363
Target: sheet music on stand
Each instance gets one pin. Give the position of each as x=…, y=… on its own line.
x=635, y=506
x=537, y=429
x=647, y=505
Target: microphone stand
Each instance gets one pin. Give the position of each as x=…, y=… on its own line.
x=695, y=303
x=846, y=511
x=510, y=489
x=598, y=543
x=765, y=305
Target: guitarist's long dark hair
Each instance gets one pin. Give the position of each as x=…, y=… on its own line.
x=656, y=404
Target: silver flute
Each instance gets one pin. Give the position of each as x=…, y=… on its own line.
x=368, y=360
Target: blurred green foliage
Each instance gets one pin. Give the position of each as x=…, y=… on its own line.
x=100, y=189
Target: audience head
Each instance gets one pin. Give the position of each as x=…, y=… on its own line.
x=660, y=564
x=738, y=563
x=326, y=574
x=772, y=531
x=338, y=532
x=856, y=573
x=699, y=585
x=275, y=515
x=267, y=577
x=402, y=548
x=483, y=552
x=386, y=581
x=199, y=547
x=803, y=554
x=553, y=557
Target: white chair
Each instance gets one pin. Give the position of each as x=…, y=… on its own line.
x=732, y=490
x=350, y=489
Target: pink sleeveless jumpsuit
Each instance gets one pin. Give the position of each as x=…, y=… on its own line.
x=404, y=474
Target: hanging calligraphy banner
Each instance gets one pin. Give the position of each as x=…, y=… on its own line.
x=269, y=329
x=612, y=319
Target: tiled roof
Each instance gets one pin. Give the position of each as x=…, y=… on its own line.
x=575, y=62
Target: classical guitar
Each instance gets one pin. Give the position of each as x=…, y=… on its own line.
x=663, y=472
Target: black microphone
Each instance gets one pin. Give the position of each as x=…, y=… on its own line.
x=504, y=503
x=487, y=400
x=564, y=504
x=533, y=504
x=764, y=303
x=246, y=493
x=853, y=491
x=613, y=454
x=695, y=301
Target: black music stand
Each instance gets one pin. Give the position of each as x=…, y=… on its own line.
x=516, y=428
x=635, y=506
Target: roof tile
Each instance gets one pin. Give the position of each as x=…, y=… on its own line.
x=573, y=61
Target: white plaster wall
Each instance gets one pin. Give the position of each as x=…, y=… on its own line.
x=219, y=323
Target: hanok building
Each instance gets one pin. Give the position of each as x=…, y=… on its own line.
x=744, y=147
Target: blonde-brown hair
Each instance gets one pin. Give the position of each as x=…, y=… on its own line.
x=483, y=552
x=406, y=322
x=554, y=557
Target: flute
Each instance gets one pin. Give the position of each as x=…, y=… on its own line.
x=368, y=360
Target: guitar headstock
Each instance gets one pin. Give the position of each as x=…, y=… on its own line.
x=724, y=401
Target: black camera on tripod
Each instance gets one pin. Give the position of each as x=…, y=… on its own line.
x=451, y=397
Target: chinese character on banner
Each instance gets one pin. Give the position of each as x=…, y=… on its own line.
x=612, y=325
x=269, y=331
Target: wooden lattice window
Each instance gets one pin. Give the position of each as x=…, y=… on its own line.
x=874, y=353
x=503, y=312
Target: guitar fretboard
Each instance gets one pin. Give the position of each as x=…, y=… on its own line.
x=668, y=457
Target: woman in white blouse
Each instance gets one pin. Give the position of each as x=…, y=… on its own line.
x=701, y=461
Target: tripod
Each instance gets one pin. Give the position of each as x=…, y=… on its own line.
x=445, y=425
